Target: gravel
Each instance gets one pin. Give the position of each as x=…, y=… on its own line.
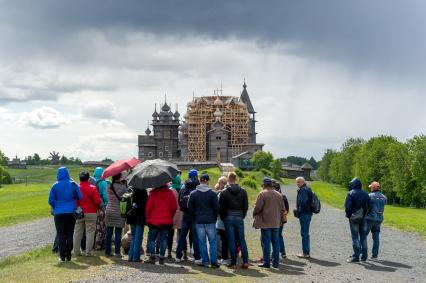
x=401, y=259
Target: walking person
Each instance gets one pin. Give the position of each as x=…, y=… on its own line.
x=137, y=222
x=267, y=214
x=90, y=203
x=204, y=204
x=303, y=212
x=233, y=203
x=62, y=197
x=113, y=220
x=160, y=210
x=102, y=186
x=356, y=206
x=374, y=217
x=220, y=226
x=188, y=221
x=277, y=187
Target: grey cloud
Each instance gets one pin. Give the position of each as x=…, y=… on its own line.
x=384, y=36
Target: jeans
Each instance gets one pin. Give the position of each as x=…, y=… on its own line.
x=234, y=227
x=359, y=239
x=117, y=240
x=224, y=244
x=374, y=227
x=64, y=224
x=187, y=225
x=86, y=226
x=305, y=222
x=209, y=231
x=161, y=233
x=281, y=240
x=136, y=243
x=269, y=236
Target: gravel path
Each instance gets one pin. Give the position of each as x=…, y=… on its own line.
x=25, y=237
x=402, y=255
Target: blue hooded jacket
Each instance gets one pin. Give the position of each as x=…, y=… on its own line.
x=101, y=185
x=376, y=206
x=356, y=198
x=64, y=193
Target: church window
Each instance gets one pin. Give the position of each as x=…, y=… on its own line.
x=160, y=154
x=218, y=138
x=150, y=154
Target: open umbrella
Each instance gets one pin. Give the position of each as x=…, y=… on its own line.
x=119, y=166
x=152, y=174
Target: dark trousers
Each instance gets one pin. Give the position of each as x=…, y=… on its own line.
x=234, y=226
x=64, y=224
x=224, y=244
x=187, y=225
x=170, y=237
x=117, y=240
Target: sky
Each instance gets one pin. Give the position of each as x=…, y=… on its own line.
x=82, y=77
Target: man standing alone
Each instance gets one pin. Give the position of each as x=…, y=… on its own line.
x=204, y=204
x=375, y=215
x=303, y=211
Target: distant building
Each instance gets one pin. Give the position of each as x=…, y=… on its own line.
x=97, y=163
x=16, y=163
x=293, y=171
x=242, y=161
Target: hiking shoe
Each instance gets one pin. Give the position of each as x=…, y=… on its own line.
x=161, y=261
x=303, y=256
x=245, y=265
x=352, y=260
x=215, y=265
x=263, y=265
x=198, y=262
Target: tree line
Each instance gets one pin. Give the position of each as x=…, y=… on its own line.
x=399, y=167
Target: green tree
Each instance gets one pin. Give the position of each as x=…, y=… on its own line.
x=417, y=153
x=276, y=169
x=324, y=165
x=36, y=158
x=3, y=159
x=262, y=159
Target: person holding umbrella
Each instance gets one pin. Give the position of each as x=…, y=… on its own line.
x=160, y=210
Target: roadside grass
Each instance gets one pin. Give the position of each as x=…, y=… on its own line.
x=403, y=218
x=44, y=174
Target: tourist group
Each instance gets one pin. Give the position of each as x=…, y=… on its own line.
x=208, y=223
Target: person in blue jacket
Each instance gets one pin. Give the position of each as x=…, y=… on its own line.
x=357, y=199
x=102, y=186
x=303, y=211
x=62, y=197
x=375, y=216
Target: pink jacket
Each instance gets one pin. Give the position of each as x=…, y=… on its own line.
x=177, y=220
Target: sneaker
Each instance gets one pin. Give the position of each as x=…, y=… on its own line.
x=215, y=265
x=198, y=262
x=374, y=257
x=275, y=266
x=263, y=265
x=151, y=260
x=352, y=260
x=245, y=265
x=161, y=261
x=232, y=266
x=303, y=256
x=363, y=259
x=178, y=260
x=61, y=260
x=283, y=256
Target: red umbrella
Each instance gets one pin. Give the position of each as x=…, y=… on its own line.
x=120, y=166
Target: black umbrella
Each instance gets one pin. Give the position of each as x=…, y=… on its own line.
x=152, y=174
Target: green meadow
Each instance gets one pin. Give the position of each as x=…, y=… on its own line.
x=403, y=218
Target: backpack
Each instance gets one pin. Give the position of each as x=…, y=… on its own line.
x=315, y=204
x=126, y=205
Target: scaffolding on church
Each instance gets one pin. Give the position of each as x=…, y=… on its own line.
x=200, y=117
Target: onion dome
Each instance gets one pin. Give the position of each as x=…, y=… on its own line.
x=186, y=116
x=165, y=108
x=217, y=114
x=218, y=102
x=148, y=131
x=155, y=114
x=176, y=115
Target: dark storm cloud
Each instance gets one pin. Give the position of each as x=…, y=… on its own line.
x=383, y=36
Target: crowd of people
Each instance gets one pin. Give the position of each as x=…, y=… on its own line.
x=208, y=222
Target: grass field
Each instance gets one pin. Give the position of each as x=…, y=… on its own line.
x=403, y=218
x=28, y=200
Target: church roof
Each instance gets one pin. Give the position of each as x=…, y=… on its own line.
x=307, y=166
x=246, y=99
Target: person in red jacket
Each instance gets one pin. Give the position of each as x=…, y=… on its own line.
x=160, y=210
x=90, y=203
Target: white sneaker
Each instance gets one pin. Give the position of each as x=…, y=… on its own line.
x=198, y=261
x=224, y=262
x=178, y=260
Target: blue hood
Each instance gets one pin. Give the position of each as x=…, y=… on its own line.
x=63, y=174
x=355, y=184
x=98, y=173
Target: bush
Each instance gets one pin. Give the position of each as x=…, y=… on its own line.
x=266, y=172
x=239, y=173
x=5, y=177
x=249, y=182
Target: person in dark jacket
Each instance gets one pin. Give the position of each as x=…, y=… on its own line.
x=204, y=205
x=374, y=217
x=303, y=211
x=62, y=197
x=356, y=200
x=233, y=202
x=277, y=187
x=137, y=222
x=188, y=223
